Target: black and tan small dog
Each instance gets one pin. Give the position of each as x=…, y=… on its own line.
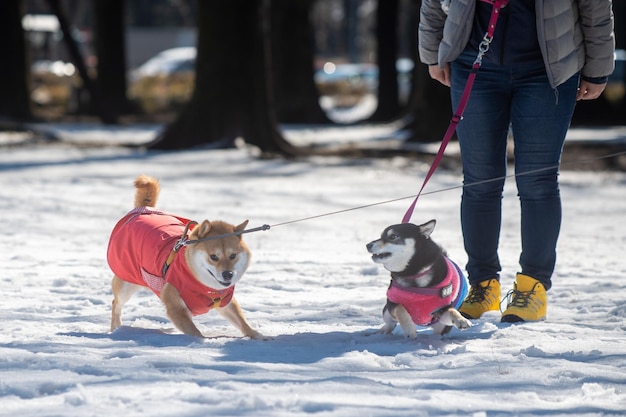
x=426, y=287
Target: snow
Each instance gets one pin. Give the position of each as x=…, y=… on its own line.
x=311, y=287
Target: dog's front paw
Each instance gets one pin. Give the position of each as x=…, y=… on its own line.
x=258, y=336
x=412, y=334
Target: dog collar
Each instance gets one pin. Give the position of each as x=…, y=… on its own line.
x=419, y=274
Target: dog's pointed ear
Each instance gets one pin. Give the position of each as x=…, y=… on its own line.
x=241, y=227
x=427, y=228
x=202, y=230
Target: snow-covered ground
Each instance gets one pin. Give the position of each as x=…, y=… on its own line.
x=311, y=286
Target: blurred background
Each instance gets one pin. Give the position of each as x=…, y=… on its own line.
x=160, y=41
x=308, y=61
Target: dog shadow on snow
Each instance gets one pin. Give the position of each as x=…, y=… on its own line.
x=310, y=347
x=294, y=348
x=141, y=337
x=299, y=348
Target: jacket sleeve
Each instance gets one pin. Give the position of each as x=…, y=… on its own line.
x=430, y=31
x=596, y=19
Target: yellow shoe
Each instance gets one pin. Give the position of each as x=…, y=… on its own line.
x=528, y=301
x=483, y=297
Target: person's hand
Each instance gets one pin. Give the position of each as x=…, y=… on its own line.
x=589, y=91
x=440, y=74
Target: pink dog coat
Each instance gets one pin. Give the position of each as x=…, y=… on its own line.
x=138, y=248
x=423, y=303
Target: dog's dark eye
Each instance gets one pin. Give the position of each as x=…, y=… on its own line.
x=215, y=258
x=233, y=256
x=392, y=236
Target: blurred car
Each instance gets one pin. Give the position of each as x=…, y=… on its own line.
x=165, y=81
x=52, y=84
x=346, y=84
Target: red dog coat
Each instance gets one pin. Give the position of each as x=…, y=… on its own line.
x=422, y=303
x=138, y=248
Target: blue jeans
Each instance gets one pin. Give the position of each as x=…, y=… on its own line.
x=539, y=116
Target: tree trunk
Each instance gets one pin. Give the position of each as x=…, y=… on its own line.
x=75, y=54
x=111, y=52
x=232, y=95
x=387, y=55
x=430, y=106
x=15, y=97
x=297, y=97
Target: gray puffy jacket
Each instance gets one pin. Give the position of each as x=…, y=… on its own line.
x=574, y=35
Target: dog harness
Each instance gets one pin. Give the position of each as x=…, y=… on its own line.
x=423, y=303
x=139, y=247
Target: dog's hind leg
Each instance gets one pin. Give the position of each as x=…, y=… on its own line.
x=448, y=318
x=440, y=328
x=122, y=291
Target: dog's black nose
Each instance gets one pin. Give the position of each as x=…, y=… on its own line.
x=369, y=245
x=228, y=275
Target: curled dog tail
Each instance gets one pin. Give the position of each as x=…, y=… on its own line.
x=147, y=191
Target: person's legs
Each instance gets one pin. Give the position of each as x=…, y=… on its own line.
x=540, y=119
x=482, y=137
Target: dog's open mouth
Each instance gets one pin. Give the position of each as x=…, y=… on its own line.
x=380, y=256
x=224, y=282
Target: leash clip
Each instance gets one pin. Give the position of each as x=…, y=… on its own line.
x=183, y=239
x=180, y=243
x=483, y=48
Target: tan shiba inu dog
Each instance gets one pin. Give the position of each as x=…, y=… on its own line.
x=148, y=248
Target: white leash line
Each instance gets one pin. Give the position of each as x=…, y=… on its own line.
x=447, y=189
x=184, y=242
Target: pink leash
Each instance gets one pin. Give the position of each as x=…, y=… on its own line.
x=458, y=113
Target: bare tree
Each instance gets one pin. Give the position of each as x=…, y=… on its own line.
x=297, y=97
x=111, y=52
x=232, y=96
x=74, y=52
x=387, y=55
x=430, y=108
x=15, y=98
